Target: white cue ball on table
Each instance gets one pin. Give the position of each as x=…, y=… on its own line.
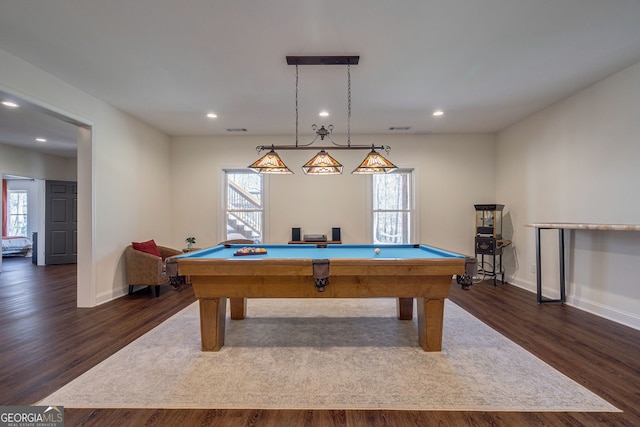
x=377, y=251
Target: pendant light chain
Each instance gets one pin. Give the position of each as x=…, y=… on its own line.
x=348, y=105
x=296, y=105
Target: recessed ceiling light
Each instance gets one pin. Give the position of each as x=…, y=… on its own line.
x=438, y=113
x=41, y=139
x=10, y=104
x=212, y=115
x=323, y=114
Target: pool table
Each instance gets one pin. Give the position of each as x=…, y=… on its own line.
x=321, y=271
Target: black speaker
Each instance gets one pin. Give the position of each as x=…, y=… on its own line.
x=295, y=234
x=335, y=234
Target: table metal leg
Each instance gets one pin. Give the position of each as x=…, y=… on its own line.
x=538, y=267
x=493, y=271
x=541, y=299
x=561, y=263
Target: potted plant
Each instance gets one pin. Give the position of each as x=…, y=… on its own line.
x=190, y=242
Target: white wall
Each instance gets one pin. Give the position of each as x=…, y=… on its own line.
x=123, y=177
x=453, y=173
x=26, y=163
x=577, y=161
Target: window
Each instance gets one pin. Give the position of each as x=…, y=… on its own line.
x=244, y=206
x=17, y=213
x=393, y=207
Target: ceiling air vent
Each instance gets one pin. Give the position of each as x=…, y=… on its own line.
x=237, y=130
x=397, y=128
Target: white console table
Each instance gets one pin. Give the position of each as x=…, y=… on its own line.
x=561, y=227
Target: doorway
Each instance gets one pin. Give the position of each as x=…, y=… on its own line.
x=78, y=167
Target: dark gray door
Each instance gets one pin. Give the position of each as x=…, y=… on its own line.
x=61, y=222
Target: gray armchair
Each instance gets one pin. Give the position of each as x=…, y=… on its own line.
x=144, y=269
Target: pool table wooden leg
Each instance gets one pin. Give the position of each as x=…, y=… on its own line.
x=430, y=322
x=213, y=314
x=405, y=308
x=238, y=308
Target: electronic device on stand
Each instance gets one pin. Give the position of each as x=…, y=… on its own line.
x=489, y=242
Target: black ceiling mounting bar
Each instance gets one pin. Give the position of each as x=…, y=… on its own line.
x=323, y=60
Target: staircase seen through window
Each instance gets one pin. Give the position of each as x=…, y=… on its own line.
x=244, y=205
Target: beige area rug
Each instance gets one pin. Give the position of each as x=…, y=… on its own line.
x=326, y=354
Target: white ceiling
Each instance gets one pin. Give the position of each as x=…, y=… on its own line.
x=21, y=126
x=486, y=63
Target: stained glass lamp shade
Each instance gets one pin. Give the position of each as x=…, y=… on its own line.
x=322, y=164
x=270, y=163
x=374, y=163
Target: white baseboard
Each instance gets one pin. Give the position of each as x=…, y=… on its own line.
x=110, y=295
x=610, y=313
x=601, y=310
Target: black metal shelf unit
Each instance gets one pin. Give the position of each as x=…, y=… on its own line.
x=488, y=241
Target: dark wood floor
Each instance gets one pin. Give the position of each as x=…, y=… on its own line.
x=45, y=342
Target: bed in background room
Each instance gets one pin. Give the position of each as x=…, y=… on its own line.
x=15, y=245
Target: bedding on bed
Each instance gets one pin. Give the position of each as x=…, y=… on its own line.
x=15, y=245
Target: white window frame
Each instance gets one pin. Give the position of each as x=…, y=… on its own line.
x=265, y=198
x=9, y=214
x=413, y=206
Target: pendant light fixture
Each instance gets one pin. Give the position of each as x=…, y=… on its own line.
x=374, y=163
x=322, y=163
x=270, y=163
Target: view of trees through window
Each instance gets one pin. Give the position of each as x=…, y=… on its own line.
x=244, y=205
x=392, y=207
x=17, y=213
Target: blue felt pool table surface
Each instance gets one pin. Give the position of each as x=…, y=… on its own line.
x=330, y=251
